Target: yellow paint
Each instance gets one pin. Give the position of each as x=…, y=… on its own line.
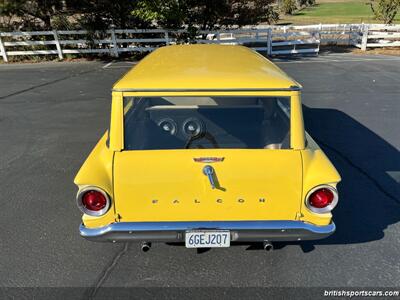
x=97, y=171
x=281, y=178
x=167, y=185
x=210, y=94
x=204, y=67
x=296, y=122
x=117, y=122
x=317, y=170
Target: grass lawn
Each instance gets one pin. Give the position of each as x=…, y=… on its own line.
x=334, y=12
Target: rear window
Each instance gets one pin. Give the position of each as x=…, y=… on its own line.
x=152, y=123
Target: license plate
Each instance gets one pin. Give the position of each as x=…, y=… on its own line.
x=207, y=239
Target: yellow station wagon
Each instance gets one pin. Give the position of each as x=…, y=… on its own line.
x=206, y=146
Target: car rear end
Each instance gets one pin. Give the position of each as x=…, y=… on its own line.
x=210, y=169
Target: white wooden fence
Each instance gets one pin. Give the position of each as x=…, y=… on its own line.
x=78, y=41
x=373, y=36
x=274, y=40
x=265, y=39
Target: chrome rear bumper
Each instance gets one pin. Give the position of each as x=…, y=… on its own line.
x=241, y=231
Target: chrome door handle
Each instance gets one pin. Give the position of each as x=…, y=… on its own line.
x=209, y=172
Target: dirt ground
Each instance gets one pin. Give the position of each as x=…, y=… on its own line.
x=394, y=51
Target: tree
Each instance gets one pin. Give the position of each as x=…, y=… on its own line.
x=205, y=14
x=35, y=14
x=305, y=3
x=32, y=11
x=101, y=14
x=288, y=7
x=166, y=13
x=385, y=10
x=6, y=14
x=253, y=12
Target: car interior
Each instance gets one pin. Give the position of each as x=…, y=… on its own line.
x=152, y=123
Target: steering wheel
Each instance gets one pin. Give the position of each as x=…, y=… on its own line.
x=204, y=135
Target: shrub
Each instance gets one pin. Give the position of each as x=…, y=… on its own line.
x=288, y=7
x=385, y=10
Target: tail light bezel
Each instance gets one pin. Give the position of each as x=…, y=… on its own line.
x=81, y=206
x=329, y=207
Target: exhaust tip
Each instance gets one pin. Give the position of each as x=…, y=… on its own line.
x=268, y=246
x=145, y=247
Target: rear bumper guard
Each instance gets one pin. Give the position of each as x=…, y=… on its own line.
x=241, y=231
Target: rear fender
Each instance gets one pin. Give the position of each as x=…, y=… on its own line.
x=317, y=170
x=97, y=171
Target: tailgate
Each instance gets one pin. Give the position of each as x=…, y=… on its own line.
x=169, y=185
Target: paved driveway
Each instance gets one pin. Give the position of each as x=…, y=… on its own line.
x=51, y=115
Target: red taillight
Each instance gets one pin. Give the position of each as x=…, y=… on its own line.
x=322, y=199
x=94, y=200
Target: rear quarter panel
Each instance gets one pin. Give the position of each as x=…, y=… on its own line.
x=317, y=170
x=97, y=171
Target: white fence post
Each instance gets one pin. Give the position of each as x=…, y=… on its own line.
x=318, y=38
x=59, y=50
x=319, y=35
x=269, y=42
x=350, y=40
x=166, y=37
x=3, y=51
x=114, y=42
x=364, y=39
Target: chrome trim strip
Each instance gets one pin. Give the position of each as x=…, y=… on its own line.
x=221, y=225
x=292, y=88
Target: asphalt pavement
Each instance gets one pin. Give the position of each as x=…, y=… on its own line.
x=51, y=116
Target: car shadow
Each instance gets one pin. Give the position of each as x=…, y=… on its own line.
x=369, y=191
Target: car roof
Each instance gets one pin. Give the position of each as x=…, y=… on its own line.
x=205, y=68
